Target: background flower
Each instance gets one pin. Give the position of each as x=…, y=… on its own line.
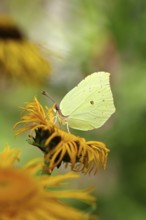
x=26, y=194
x=20, y=59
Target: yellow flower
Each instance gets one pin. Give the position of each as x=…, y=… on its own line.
x=19, y=58
x=9, y=156
x=59, y=146
x=25, y=195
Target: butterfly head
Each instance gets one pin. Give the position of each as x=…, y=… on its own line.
x=58, y=110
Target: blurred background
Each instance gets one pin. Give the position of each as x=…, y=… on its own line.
x=78, y=38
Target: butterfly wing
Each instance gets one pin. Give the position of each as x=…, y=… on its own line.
x=90, y=103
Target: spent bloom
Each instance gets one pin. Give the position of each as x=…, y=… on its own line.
x=25, y=194
x=58, y=145
x=20, y=59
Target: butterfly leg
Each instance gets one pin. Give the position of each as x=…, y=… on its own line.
x=55, y=119
x=67, y=127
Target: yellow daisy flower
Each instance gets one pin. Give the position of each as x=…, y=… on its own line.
x=19, y=58
x=59, y=146
x=25, y=195
x=9, y=156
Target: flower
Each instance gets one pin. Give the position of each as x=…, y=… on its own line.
x=25, y=195
x=9, y=156
x=59, y=146
x=19, y=58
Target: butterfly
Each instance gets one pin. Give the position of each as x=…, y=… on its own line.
x=88, y=105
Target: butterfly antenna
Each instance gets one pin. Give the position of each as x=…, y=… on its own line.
x=47, y=95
